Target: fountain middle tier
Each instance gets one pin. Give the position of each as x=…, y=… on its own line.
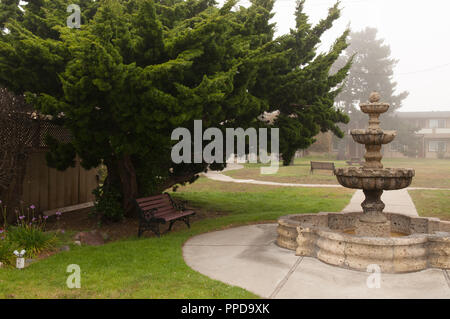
x=374, y=178
x=373, y=137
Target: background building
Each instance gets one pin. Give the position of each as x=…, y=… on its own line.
x=433, y=132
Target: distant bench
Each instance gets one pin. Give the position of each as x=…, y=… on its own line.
x=323, y=166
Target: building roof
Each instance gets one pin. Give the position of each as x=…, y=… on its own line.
x=424, y=115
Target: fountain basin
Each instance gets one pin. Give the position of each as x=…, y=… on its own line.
x=328, y=237
x=370, y=137
x=374, y=178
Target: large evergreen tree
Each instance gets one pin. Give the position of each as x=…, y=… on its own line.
x=138, y=69
x=372, y=70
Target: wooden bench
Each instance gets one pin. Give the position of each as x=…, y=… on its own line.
x=355, y=160
x=322, y=165
x=160, y=209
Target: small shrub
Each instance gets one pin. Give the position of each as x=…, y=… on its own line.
x=108, y=204
x=32, y=239
x=28, y=233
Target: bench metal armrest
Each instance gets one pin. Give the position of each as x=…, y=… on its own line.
x=179, y=205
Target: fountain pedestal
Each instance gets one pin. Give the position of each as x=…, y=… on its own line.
x=373, y=222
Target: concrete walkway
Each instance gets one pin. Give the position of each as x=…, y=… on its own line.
x=397, y=201
x=248, y=257
x=218, y=176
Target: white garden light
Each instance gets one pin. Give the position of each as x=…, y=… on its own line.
x=20, y=261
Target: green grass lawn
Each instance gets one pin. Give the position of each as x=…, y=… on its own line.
x=429, y=172
x=154, y=267
x=432, y=203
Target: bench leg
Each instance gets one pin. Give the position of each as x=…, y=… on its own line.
x=154, y=228
x=186, y=221
x=170, y=226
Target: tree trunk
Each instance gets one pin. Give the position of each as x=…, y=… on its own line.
x=128, y=180
x=112, y=178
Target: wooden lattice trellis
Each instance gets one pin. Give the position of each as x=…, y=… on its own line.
x=21, y=132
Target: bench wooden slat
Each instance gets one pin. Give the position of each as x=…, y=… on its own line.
x=146, y=206
x=176, y=215
x=156, y=202
x=165, y=211
x=151, y=198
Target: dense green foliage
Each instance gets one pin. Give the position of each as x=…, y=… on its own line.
x=138, y=69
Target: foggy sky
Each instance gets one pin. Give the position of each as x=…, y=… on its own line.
x=417, y=31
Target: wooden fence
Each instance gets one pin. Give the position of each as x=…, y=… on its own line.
x=48, y=188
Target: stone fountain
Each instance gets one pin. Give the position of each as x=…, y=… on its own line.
x=395, y=242
x=372, y=178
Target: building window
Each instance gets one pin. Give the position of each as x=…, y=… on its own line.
x=437, y=146
x=437, y=123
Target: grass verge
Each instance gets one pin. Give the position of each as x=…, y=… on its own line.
x=434, y=173
x=432, y=203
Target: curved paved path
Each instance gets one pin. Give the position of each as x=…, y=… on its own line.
x=218, y=176
x=248, y=257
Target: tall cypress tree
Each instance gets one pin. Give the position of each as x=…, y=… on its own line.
x=138, y=69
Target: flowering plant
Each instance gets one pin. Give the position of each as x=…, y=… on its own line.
x=27, y=218
x=29, y=233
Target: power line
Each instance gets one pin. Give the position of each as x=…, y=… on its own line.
x=404, y=73
x=425, y=70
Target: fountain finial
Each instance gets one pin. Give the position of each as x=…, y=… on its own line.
x=374, y=97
